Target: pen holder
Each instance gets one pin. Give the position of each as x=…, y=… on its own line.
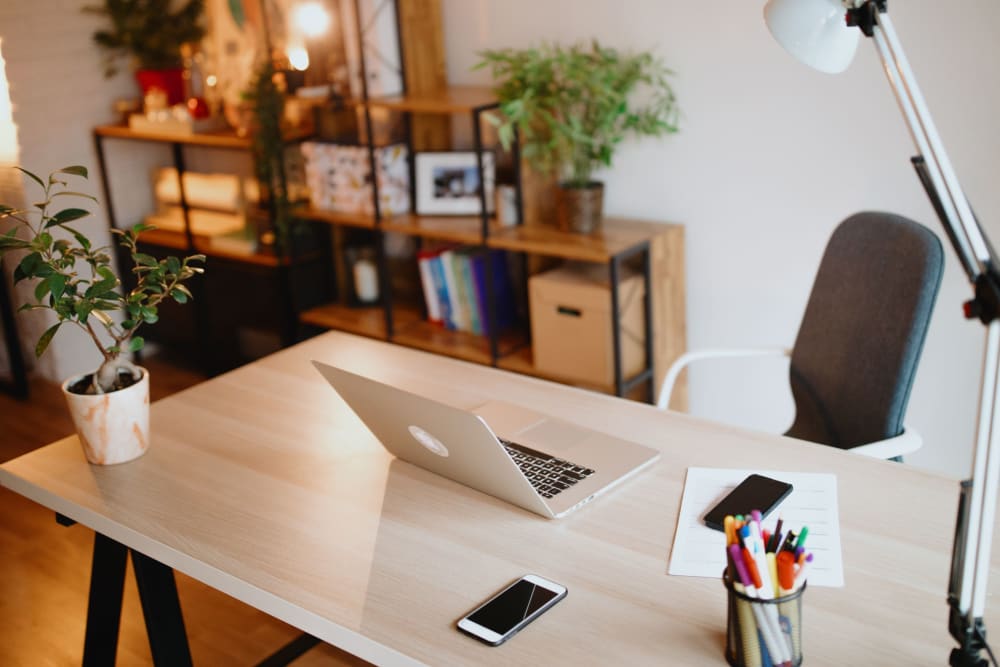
x=762, y=633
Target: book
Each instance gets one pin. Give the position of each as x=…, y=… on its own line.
x=424, y=261
x=503, y=297
x=441, y=286
x=467, y=289
x=457, y=320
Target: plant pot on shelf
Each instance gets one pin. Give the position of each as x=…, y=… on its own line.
x=170, y=81
x=113, y=427
x=580, y=208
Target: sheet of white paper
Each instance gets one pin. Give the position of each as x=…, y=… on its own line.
x=699, y=551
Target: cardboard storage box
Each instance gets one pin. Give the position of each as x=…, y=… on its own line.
x=571, y=324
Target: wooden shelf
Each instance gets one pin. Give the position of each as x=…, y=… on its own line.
x=362, y=220
x=521, y=361
x=453, y=99
x=226, y=138
x=457, y=229
x=431, y=337
x=164, y=238
x=616, y=236
x=464, y=229
x=366, y=321
x=218, y=139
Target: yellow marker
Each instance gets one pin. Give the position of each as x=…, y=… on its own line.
x=772, y=567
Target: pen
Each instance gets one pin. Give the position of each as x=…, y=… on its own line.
x=772, y=566
x=786, y=572
x=786, y=579
x=800, y=576
x=745, y=615
x=789, y=540
x=803, y=534
x=775, y=537
x=769, y=628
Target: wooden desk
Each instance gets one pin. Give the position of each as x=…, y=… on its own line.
x=262, y=484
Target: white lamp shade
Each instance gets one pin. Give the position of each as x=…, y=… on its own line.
x=814, y=31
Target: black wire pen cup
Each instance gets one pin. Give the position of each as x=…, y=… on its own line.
x=762, y=633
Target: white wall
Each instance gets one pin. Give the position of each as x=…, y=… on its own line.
x=770, y=157
x=58, y=95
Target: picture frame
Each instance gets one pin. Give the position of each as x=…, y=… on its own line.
x=447, y=183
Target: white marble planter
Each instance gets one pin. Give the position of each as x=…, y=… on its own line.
x=114, y=427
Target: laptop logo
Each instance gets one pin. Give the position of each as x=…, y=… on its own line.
x=432, y=444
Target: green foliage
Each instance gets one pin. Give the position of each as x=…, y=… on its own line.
x=75, y=279
x=573, y=106
x=148, y=30
x=268, y=148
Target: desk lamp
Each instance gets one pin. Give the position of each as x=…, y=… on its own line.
x=822, y=34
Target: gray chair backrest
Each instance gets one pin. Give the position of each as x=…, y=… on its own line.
x=856, y=353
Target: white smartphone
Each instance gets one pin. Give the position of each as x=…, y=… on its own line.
x=502, y=616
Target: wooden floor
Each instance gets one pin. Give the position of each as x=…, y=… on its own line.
x=45, y=568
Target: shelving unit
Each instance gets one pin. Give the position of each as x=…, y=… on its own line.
x=655, y=249
x=208, y=329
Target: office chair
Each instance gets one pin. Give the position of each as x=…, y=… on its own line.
x=855, y=357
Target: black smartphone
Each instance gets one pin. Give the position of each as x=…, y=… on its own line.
x=756, y=492
x=502, y=616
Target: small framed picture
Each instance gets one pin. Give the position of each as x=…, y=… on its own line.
x=448, y=183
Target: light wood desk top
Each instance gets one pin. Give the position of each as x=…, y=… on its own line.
x=263, y=484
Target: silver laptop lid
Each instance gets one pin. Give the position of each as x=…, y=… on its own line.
x=446, y=440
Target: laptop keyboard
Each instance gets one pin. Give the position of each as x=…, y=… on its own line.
x=549, y=475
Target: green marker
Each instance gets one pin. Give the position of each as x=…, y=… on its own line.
x=801, y=542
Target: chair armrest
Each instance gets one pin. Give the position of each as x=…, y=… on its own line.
x=667, y=388
x=907, y=443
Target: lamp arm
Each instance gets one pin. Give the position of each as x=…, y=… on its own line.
x=977, y=507
x=973, y=248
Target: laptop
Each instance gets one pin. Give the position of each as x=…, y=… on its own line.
x=541, y=464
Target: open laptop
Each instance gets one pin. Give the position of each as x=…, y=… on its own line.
x=528, y=459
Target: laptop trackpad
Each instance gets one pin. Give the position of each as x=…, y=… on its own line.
x=507, y=420
x=532, y=429
x=552, y=436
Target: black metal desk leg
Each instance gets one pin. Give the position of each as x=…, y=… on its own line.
x=104, y=609
x=161, y=609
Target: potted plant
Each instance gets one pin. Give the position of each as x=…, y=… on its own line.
x=572, y=108
x=75, y=280
x=151, y=32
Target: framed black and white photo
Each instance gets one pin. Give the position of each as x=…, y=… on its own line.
x=448, y=183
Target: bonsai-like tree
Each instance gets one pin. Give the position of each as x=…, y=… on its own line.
x=573, y=106
x=77, y=283
x=150, y=31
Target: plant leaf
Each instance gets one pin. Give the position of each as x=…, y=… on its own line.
x=136, y=343
x=70, y=193
x=75, y=170
x=103, y=317
x=41, y=289
x=43, y=342
x=11, y=242
x=32, y=176
x=181, y=294
x=66, y=215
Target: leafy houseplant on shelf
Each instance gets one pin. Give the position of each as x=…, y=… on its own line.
x=151, y=33
x=573, y=106
x=110, y=407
